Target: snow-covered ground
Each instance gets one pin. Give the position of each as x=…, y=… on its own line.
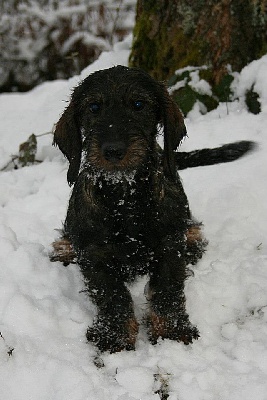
x=43, y=311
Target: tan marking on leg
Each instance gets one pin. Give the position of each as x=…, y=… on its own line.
x=194, y=234
x=63, y=251
x=132, y=327
x=158, y=326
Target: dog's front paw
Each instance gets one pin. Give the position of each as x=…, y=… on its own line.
x=170, y=327
x=113, y=336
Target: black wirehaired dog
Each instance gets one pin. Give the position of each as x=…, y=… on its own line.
x=128, y=214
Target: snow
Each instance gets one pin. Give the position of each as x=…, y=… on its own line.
x=86, y=38
x=200, y=85
x=44, y=312
x=253, y=76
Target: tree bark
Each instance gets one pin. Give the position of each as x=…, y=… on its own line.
x=172, y=34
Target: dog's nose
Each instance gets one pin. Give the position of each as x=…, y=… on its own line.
x=114, y=152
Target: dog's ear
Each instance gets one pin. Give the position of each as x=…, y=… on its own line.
x=174, y=132
x=67, y=137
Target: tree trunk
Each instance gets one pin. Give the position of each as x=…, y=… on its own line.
x=172, y=34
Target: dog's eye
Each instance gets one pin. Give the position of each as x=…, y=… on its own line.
x=138, y=105
x=94, y=107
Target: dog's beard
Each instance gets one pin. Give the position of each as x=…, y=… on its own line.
x=112, y=177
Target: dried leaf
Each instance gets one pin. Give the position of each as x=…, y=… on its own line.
x=27, y=151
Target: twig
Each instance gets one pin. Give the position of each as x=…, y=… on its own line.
x=163, y=390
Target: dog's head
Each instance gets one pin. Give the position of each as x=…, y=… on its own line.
x=112, y=122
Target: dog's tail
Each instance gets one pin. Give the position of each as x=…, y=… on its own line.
x=226, y=153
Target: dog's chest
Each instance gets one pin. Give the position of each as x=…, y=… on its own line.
x=128, y=209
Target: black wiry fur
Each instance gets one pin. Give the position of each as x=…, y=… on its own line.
x=226, y=153
x=128, y=213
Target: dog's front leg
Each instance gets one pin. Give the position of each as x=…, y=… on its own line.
x=115, y=327
x=167, y=317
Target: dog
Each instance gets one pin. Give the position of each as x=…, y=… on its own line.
x=128, y=214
